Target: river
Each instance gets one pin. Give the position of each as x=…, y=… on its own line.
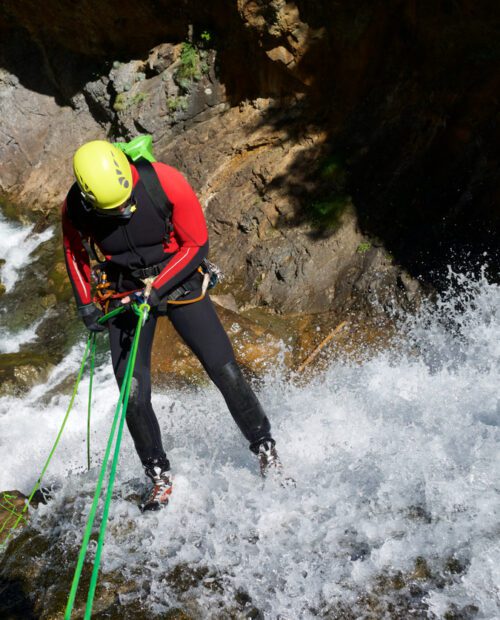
x=396, y=463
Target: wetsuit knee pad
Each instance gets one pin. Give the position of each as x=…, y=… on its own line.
x=242, y=403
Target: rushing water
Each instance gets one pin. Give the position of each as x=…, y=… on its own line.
x=12, y=342
x=18, y=242
x=396, y=464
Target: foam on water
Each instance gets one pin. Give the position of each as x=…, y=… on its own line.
x=13, y=341
x=18, y=243
x=395, y=458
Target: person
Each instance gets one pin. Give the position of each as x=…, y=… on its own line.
x=109, y=207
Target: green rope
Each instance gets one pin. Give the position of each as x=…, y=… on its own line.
x=120, y=407
x=111, y=314
x=143, y=314
x=89, y=407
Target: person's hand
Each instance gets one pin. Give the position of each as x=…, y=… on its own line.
x=90, y=313
x=137, y=297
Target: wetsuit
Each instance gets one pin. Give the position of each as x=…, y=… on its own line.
x=175, y=247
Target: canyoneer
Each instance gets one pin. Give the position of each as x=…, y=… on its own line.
x=142, y=222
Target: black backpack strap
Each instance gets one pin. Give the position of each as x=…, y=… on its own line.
x=155, y=191
x=89, y=246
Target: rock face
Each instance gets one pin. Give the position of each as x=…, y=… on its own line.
x=328, y=143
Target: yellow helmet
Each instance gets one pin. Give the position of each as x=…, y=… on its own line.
x=103, y=174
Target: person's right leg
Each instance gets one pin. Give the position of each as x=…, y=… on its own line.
x=141, y=419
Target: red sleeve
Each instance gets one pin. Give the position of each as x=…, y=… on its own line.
x=189, y=226
x=77, y=260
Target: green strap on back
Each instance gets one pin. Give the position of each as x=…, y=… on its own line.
x=140, y=152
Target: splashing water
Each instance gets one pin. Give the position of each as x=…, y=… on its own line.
x=12, y=342
x=397, y=473
x=18, y=243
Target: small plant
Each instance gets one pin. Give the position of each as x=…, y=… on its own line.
x=364, y=247
x=190, y=63
x=124, y=101
x=139, y=97
x=120, y=102
x=205, y=36
x=328, y=212
x=333, y=169
x=175, y=104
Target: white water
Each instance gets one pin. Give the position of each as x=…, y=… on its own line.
x=394, y=459
x=13, y=341
x=17, y=245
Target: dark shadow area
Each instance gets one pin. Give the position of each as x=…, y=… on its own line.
x=405, y=93
x=15, y=604
x=48, y=70
x=408, y=105
x=55, y=49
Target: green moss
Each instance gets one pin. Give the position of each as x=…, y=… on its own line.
x=124, y=101
x=332, y=168
x=206, y=36
x=175, y=104
x=328, y=211
x=19, y=371
x=190, y=63
x=364, y=247
x=58, y=282
x=120, y=102
x=11, y=211
x=191, y=66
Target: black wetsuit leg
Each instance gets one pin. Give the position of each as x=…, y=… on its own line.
x=141, y=419
x=201, y=329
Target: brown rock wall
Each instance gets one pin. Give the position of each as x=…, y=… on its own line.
x=309, y=129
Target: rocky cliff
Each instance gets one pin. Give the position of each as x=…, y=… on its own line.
x=337, y=149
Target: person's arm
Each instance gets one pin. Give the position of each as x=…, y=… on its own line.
x=77, y=260
x=78, y=267
x=190, y=230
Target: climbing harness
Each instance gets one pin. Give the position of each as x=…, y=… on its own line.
x=210, y=273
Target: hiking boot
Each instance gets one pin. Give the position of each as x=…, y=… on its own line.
x=269, y=460
x=158, y=471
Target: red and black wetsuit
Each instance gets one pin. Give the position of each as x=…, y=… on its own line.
x=145, y=240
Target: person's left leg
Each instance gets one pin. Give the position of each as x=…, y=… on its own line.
x=200, y=328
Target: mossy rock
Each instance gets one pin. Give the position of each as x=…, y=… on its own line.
x=20, y=371
x=11, y=507
x=58, y=282
x=327, y=212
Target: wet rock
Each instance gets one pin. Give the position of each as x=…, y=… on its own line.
x=256, y=348
x=20, y=371
x=11, y=507
x=227, y=301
